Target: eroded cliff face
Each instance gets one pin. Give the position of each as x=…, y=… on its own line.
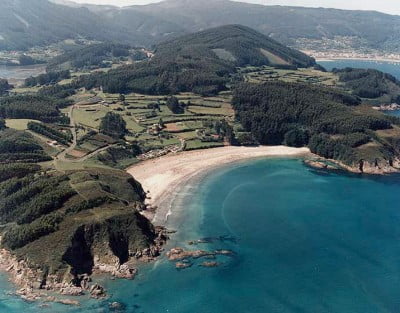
x=115, y=246
x=379, y=166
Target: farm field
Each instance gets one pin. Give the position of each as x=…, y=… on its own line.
x=305, y=75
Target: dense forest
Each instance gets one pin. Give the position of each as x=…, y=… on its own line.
x=51, y=132
x=4, y=87
x=113, y=125
x=18, y=146
x=303, y=115
x=93, y=56
x=49, y=78
x=370, y=83
x=37, y=107
x=200, y=63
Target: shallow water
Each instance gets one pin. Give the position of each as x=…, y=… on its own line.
x=307, y=241
x=17, y=73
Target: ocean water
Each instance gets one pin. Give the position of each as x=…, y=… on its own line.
x=387, y=67
x=305, y=241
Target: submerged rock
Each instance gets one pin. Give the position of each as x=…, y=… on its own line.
x=210, y=264
x=177, y=254
x=183, y=265
x=116, y=307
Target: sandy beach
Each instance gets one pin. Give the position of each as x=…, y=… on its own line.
x=168, y=173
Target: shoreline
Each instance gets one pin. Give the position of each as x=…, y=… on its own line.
x=164, y=177
x=333, y=59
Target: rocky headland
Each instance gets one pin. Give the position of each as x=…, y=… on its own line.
x=376, y=167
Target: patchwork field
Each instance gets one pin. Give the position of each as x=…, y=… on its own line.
x=305, y=75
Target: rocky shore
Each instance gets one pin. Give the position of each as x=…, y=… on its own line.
x=34, y=284
x=184, y=258
x=378, y=167
x=388, y=107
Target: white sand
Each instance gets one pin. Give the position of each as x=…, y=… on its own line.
x=169, y=173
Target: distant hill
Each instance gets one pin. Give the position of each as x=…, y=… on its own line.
x=202, y=62
x=25, y=23
x=94, y=56
x=237, y=44
x=374, y=85
x=285, y=24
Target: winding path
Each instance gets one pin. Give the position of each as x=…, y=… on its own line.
x=62, y=155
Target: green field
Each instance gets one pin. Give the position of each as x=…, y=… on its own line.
x=305, y=75
x=19, y=124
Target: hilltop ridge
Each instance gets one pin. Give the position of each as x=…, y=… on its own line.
x=203, y=63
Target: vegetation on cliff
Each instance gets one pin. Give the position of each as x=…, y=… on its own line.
x=74, y=219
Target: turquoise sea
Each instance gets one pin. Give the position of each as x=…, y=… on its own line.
x=305, y=241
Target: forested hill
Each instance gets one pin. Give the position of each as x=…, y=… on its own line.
x=283, y=23
x=376, y=86
x=334, y=125
x=94, y=56
x=202, y=63
x=236, y=44
x=27, y=23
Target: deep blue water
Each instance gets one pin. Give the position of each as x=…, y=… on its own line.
x=307, y=241
x=387, y=67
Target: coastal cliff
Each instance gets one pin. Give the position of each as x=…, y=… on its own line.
x=98, y=229
x=377, y=167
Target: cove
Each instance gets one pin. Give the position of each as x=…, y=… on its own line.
x=306, y=241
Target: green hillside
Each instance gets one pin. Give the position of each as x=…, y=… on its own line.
x=333, y=124
x=373, y=85
x=24, y=24
x=203, y=63
x=48, y=211
x=236, y=44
